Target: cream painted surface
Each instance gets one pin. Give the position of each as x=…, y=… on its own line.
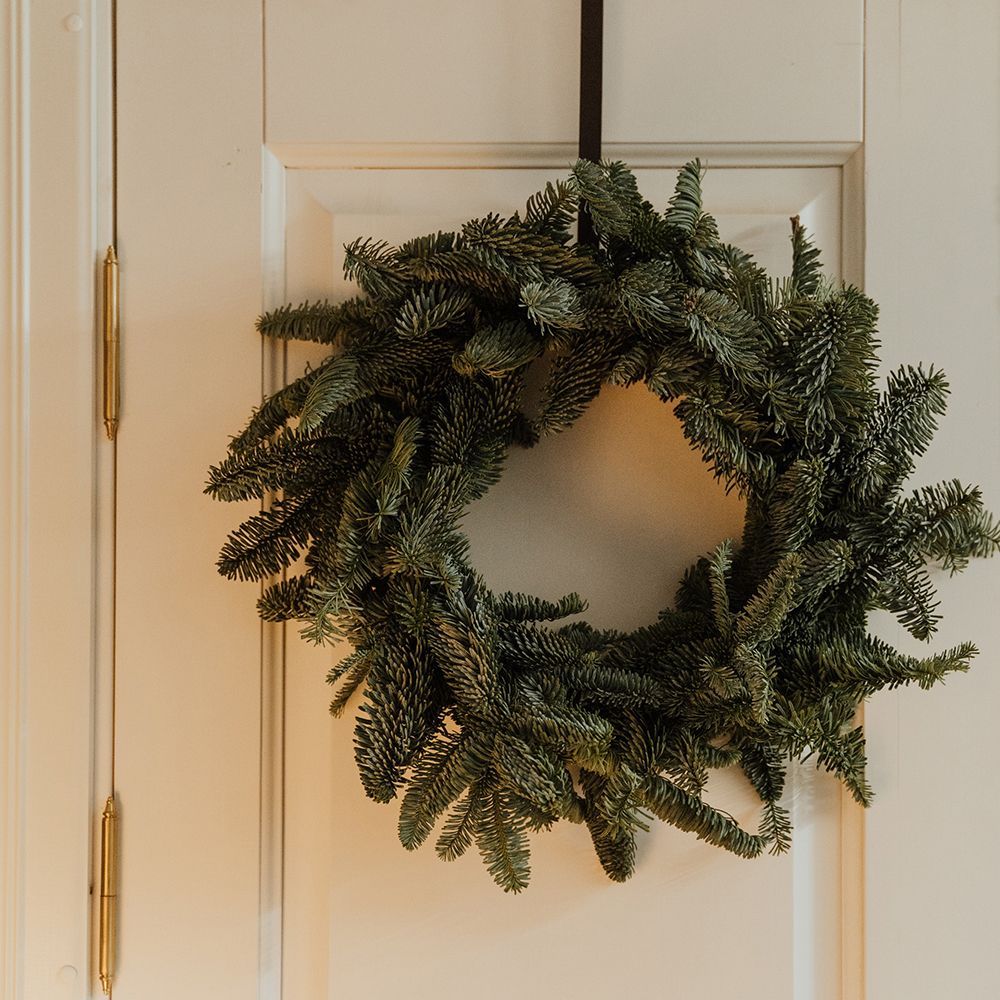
x=188, y=641
x=51, y=216
x=933, y=180
x=457, y=71
x=191, y=712
x=615, y=508
x=189, y=688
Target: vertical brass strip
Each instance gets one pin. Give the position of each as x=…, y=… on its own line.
x=109, y=894
x=111, y=344
x=108, y=910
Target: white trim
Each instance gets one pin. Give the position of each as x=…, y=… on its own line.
x=852, y=818
x=931, y=879
x=272, y=652
x=102, y=159
x=51, y=130
x=556, y=155
x=13, y=447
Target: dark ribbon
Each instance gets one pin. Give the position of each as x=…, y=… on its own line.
x=591, y=82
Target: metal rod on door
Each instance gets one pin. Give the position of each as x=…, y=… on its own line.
x=591, y=95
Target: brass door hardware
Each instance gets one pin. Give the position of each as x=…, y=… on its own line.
x=109, y=894
x=111, y=344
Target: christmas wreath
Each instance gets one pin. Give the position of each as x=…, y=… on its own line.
x=477, y=709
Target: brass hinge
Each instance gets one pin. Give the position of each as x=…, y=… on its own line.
x=109, y=895
x=110, y=326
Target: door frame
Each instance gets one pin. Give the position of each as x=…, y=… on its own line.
x=55, y=205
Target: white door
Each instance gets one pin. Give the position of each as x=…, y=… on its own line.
x=253, y=143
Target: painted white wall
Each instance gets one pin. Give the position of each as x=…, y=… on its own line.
x=932, y=147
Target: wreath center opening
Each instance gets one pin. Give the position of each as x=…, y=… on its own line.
x=615, y=508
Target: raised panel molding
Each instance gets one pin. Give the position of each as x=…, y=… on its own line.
x=13, y=513
x=479, y=156
x=317, y=198
x=54, y=211
x=503, y=70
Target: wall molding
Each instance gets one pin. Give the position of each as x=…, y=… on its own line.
x=53, y=208
x=556, y=155
x=274, y=375
x=13, y=512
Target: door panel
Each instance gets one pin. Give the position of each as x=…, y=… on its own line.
x=250, y=857
x=614, y=508
x=188, y=644
x=444, y=71
x=933, y=234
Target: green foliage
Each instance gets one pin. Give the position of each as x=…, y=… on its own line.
x=321, y=322
x=503, y=842
x=335, y=385
x=807, y=271
x=684, y=210
x=687, y=812
x=498, y=350
x=489, y=715
x=459, y=831
x=553, y=305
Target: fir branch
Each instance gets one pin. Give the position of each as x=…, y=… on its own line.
x=402, y=709
x=537, y=775
x=431, y=308
x=551, y=211
x=511, y=607
x=336, y=385
x=451, y=764
x=275, y=412
x=267, y=542
x=718, y=566
x=609, y=194
x=503, y=843
x=681, y=809
x=375, y=266
x=946, y=523
x=868, y=664
x=459, y=829
x=351, y=674
x=287, y=600
x=766, y=772
x=806, y=267
x=497, y=350
x=722, y=330
x=796, y=505
x=320, y=322
x=906, y=591
x=685, y=205
x=554, y=305
x=574, y=380
x=762, y=618
x=615, y=848
x=651, y=295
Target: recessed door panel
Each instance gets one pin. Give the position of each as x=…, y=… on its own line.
x=614, y=508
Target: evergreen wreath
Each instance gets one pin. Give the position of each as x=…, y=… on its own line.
x=475, y=705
